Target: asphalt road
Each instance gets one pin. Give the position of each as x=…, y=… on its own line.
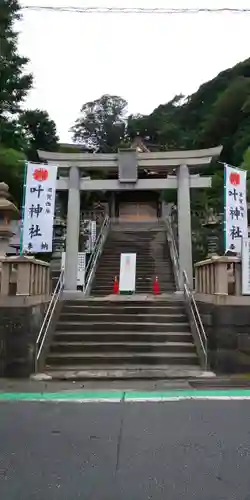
x=125, y=451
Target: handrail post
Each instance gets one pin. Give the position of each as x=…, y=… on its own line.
x=196, y=323
x=48, y=318
x=96, y=253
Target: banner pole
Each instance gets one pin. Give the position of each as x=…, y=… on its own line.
x=225, y=208
x=23, y=205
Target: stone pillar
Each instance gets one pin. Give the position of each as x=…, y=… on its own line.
x=184, y=224
x=73, y=227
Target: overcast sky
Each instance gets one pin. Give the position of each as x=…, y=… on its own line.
x=147, y=59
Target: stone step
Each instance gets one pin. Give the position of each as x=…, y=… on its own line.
x=140, y=252
x=143, y=263
x=148, y=277
x=135, y=239
x=149, y=254
x=125, y=372
x=147, y=291
x=142, y=248
x=145, y=270
x=122, y=358
x=121, y=336
x=116, y=308
x=134, y=301
x=150, y=271
x=126, y=238
x=115, y=326
x=144, y=290
x=127, y=347
x=120, y=318
x=140, y=285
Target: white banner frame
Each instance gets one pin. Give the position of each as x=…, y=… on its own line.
x=81, y=267
x=39, y=208
x=127, y=279
x=235, y=208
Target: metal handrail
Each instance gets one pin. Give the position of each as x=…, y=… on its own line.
x=59, y=288
x=48, y=318
x=200, y=333
x=196, y=324
x=174, y=253
x=91, y=266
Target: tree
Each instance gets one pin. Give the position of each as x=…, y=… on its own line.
x=12, y=171
x=226, y=115
x=14, y=86
x=14, y=83
x=161, y=126
x=102, y=124
x=246, y=166
x=39, y=131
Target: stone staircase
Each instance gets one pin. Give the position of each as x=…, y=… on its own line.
x=122, y=338
x=152, y=259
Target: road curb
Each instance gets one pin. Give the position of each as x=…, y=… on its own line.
x=127, y=396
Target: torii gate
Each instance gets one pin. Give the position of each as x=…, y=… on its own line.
x=127, y=164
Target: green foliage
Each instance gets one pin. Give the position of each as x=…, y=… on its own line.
x=246, y=166
x=12, y=171
x=101, y=125
x=21, y=132
x=39, y=131
x=14, y=83
x=218, y=113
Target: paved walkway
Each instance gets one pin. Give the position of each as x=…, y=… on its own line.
x=145, y=386
x=189, y=449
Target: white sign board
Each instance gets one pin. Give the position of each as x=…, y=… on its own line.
x=245, y=266
x=127, y=272
x=93, y=234
x=81, y=267
x=236, y=225
x=39, y=208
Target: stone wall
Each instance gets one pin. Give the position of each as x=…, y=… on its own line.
x=20, y=323
x=228, y=331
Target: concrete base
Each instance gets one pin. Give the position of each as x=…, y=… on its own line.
x=20, y=321
x=163, y=373
x=227, y=330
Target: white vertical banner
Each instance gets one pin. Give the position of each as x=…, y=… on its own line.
x=39, y=208
x=93, y=234
x=235, y=194
x=81, y=269
x=127, y=272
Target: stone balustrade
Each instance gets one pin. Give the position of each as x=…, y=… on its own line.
x=218, y=276
x=24, y=276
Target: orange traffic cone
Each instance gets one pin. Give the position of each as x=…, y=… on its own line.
x=116, y=286
x=156, y=287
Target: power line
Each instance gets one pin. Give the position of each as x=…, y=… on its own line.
x=135, y=10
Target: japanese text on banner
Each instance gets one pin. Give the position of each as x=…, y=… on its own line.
x=236, y=225
x=39, y=208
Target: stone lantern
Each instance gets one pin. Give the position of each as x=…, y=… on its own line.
x=8, y=212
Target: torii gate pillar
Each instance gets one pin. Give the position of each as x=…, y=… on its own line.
x=184, y=225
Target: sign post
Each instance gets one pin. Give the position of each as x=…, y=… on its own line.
x=39, y=206
x=81, y=268
x=235, y=210
x=127, y=273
